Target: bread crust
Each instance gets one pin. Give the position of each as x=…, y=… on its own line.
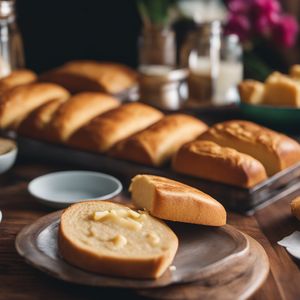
x=210, y=161
x=178, y=202
x=16, y=78
x=251, y=91
x=106, y=130
x=146, y=267
x=88, y=75
x=16, y=104
x=36, y=123
x=77, y=112
x=274, y=150
x=156, y=144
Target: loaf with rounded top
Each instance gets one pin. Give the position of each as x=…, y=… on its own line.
x=88, y=75
x=111, y=239
x=274, y=150
x=206, y=159
x=19, y=102
x=295, y=207
x=172, y=200
x=105, y=131
x=35, y=125
x=156, y=144
x=251, y=91
x=77, y=112
x=16, y=78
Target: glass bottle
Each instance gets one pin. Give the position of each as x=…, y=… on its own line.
x=11, y=46
x=215, y=65
x=203, y=62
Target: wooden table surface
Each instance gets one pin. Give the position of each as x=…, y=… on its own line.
x=20, y=281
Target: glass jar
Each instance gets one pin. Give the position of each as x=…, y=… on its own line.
x=157, y=46
x=215, y=65
x=11, y=46
x=203, y=62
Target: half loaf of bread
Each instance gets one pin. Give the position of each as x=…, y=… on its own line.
x=112, y=239
x=171, y=200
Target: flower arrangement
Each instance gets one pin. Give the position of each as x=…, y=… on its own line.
x=262, y=26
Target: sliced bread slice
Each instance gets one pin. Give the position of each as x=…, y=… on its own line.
x=112, y=239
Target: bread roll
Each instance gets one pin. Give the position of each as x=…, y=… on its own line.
x=17, y=103
x=87, y=75
x=16, y=78
x=295, y=207
x=36, y=124
x=111, y=239
x=77, y=112
x=106, y=130
x=274, y=150
x=281, y=90
x=156, y=144
x=210, y=161
x=251, y=91
x=295, y=71
x=171, y=200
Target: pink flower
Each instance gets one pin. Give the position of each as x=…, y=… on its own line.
x=239, y=25
x=285, y=31
x=239, y=6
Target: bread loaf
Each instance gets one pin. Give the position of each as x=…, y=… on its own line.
x=295, y=207
x=295, y=71
x=156, y=144
x=16, y=78
x=86, y=75
x=171, y=200
x=281, y=90
x=17, y=103
x=106, y=130
x=210, y=161
x=111, y=239
x=274, y=150
x=251, y=91
x=36, y=124
x=77, y=112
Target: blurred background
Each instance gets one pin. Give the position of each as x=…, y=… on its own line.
x=59, y=30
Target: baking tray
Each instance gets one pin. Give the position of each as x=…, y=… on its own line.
x=234, y=198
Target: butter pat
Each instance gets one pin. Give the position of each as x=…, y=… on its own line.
x=126, y=218
x=153, y=238
x=119, y=241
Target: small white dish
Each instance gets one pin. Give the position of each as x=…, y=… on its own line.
x=61, y=189
x=7, y=160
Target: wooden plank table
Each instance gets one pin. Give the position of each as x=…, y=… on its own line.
x=20, y=281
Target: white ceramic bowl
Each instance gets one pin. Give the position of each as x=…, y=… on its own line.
x=60, y=189
x=7, y=160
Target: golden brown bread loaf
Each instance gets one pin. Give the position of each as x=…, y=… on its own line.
x=35, y=125
x=87, y=75
x=295, y=207
x=16, y=78
x=156, y=144
x=171, y=200
x=77, y=112
x=281, y=90
x=251, y=91
x=17, y=103
x=210, y=161
x=295, y=71
x=274, y=150
x=106, y=130
x=111, y=239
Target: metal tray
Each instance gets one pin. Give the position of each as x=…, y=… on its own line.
x=237, y=199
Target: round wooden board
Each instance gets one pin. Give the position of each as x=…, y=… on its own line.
x=203, y=254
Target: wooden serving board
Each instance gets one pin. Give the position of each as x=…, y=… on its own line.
x=237, y=199
x=208, y=260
